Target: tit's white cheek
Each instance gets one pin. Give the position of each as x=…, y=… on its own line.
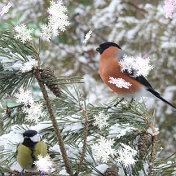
x=35, y=138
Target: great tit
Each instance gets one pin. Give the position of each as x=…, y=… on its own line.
x=29, y=150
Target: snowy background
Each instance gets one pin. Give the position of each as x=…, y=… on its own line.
x=139, y=27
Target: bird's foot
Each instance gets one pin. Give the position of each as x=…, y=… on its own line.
x=124, y=108
x=128, y=105
x=115, y=104
x=118, y=102
x=109, y=107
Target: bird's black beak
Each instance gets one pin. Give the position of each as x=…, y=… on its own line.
x=98, y=49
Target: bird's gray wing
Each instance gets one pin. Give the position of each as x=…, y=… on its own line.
x=141, y=79
x=132, y=74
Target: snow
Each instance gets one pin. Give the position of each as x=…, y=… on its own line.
x=63, y=172
x=15, y=136
x=119, y=130
x=103, y=150
x=134, y=34
x=73, y=127
x=102, y=168
x=5, y=9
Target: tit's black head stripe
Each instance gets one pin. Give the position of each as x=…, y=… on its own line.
x=29, y=133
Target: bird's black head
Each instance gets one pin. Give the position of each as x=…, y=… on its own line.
x=31, y=137
x=29, y=133
x=106, y=45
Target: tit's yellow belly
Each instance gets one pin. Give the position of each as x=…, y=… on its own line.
x=24, y=157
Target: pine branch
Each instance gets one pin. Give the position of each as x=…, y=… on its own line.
x=152, y=158
x=37, y=56
x=14, y=115
x=50, y=81
x=11, y=172
x=154, y=141
x=37, y=174
x=16, y=173
x=84, y=142
x=13, y=53
x=54, y=122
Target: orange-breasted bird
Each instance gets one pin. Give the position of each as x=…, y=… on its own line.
x=110, y=55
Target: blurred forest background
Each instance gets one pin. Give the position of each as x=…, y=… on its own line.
x=139, y=27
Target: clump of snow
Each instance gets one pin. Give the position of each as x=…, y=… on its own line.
x=136, y=64
x=22, y=33
x=43, y=164
x=57, y=20
x=101, y=120
x=32, y=109
x=102, y=168
x=103, y=149
x=119, y=82
x=5, y=9
x=119, y=130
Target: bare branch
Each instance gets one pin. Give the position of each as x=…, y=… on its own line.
x=54, y=122
x=85, y=140
x=154, y=141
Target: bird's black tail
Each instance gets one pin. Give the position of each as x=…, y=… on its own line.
x=159, y=96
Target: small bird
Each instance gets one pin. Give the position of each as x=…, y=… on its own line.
x=110, y=55
x=29, y=150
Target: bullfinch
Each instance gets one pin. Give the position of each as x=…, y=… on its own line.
x=29, y=150
x=110, y=55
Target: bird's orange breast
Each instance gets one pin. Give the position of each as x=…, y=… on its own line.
x=109, y=67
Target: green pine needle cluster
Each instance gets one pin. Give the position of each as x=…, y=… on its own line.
x=70, y=109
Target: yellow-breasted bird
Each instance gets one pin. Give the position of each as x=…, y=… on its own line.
x=29, y=150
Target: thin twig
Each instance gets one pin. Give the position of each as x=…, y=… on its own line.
x=170, y=156
x=152, y=156
x=84, y=142
x=36, y=55
x=38, y=174
x=52, y=117
x=154, y=141
x=142, y=131
x=11, y=172
x=16, y=173
x=136, y=7
x=54, y=122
